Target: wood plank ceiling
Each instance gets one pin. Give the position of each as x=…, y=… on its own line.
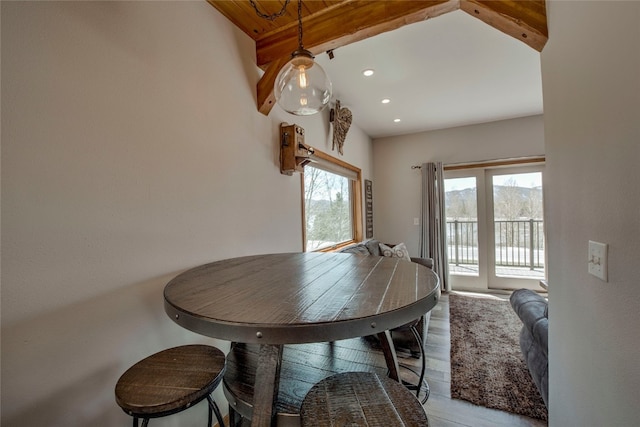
x=330, y=24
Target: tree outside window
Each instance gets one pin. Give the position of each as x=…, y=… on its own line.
x=328, y=208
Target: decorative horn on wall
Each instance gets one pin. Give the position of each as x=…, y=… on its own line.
x=341, y=118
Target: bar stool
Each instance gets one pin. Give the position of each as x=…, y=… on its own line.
x=361, y=399
x=412, y=327
x=171, y=381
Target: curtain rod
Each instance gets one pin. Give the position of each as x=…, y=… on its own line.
x=491, y=163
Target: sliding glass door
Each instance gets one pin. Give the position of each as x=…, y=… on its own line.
x=517, y=238
x=495, y=227
x=461, y=195
x=466, y=234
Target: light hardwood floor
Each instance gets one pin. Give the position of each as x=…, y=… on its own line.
x=316, y=361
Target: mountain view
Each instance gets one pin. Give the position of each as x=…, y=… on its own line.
x=511, y=202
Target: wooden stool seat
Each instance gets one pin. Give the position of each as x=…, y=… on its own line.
x=361, y=399
x=171, y=381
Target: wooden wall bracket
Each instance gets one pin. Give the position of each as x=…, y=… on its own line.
x=294, y=153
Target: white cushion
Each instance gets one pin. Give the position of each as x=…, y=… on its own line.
x=398, y=251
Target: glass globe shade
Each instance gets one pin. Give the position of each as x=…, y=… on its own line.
x=302, y=87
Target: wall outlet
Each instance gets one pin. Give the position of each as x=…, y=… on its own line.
x=598, y=260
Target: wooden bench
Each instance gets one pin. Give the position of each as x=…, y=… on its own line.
x=361, y=399
x=171, y=381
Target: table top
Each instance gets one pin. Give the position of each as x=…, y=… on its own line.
x=300, y=297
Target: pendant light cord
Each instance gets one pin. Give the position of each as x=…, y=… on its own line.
x=273, y=16
x=300, y=24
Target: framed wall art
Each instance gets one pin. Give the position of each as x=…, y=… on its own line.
x=368, y=203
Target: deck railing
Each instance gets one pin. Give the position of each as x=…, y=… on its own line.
x=519, y=243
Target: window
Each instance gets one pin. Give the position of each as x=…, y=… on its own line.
x=331, y=203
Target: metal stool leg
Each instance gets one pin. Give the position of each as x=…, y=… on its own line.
x=416, y=334
x=213, y=407
x=235, y=419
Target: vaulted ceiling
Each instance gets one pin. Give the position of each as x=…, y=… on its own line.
x=330, y=24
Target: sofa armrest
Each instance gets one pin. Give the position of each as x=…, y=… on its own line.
x=532, y=309
x=427, y=262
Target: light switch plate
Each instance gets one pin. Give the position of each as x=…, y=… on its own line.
x=598, y=260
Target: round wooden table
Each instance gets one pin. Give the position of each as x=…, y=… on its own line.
x=295, y=298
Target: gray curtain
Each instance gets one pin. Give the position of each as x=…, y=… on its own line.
x=433, y=238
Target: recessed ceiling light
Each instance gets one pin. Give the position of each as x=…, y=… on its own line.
x=368, y=72
x=396, y=120
x=386, y=101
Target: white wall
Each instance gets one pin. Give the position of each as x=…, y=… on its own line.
x=590, y=70
x=396, y=188
x=132, y=150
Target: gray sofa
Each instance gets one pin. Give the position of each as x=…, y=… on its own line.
x=402, y=338
x=372, y=247
x=533, y=310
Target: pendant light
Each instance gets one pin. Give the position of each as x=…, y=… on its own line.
x=302, y=87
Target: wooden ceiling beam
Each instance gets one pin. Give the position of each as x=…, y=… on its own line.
x=346, y=23
x=522, y=20
x=265, y=95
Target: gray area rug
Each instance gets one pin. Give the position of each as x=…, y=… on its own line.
x=487, y=366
